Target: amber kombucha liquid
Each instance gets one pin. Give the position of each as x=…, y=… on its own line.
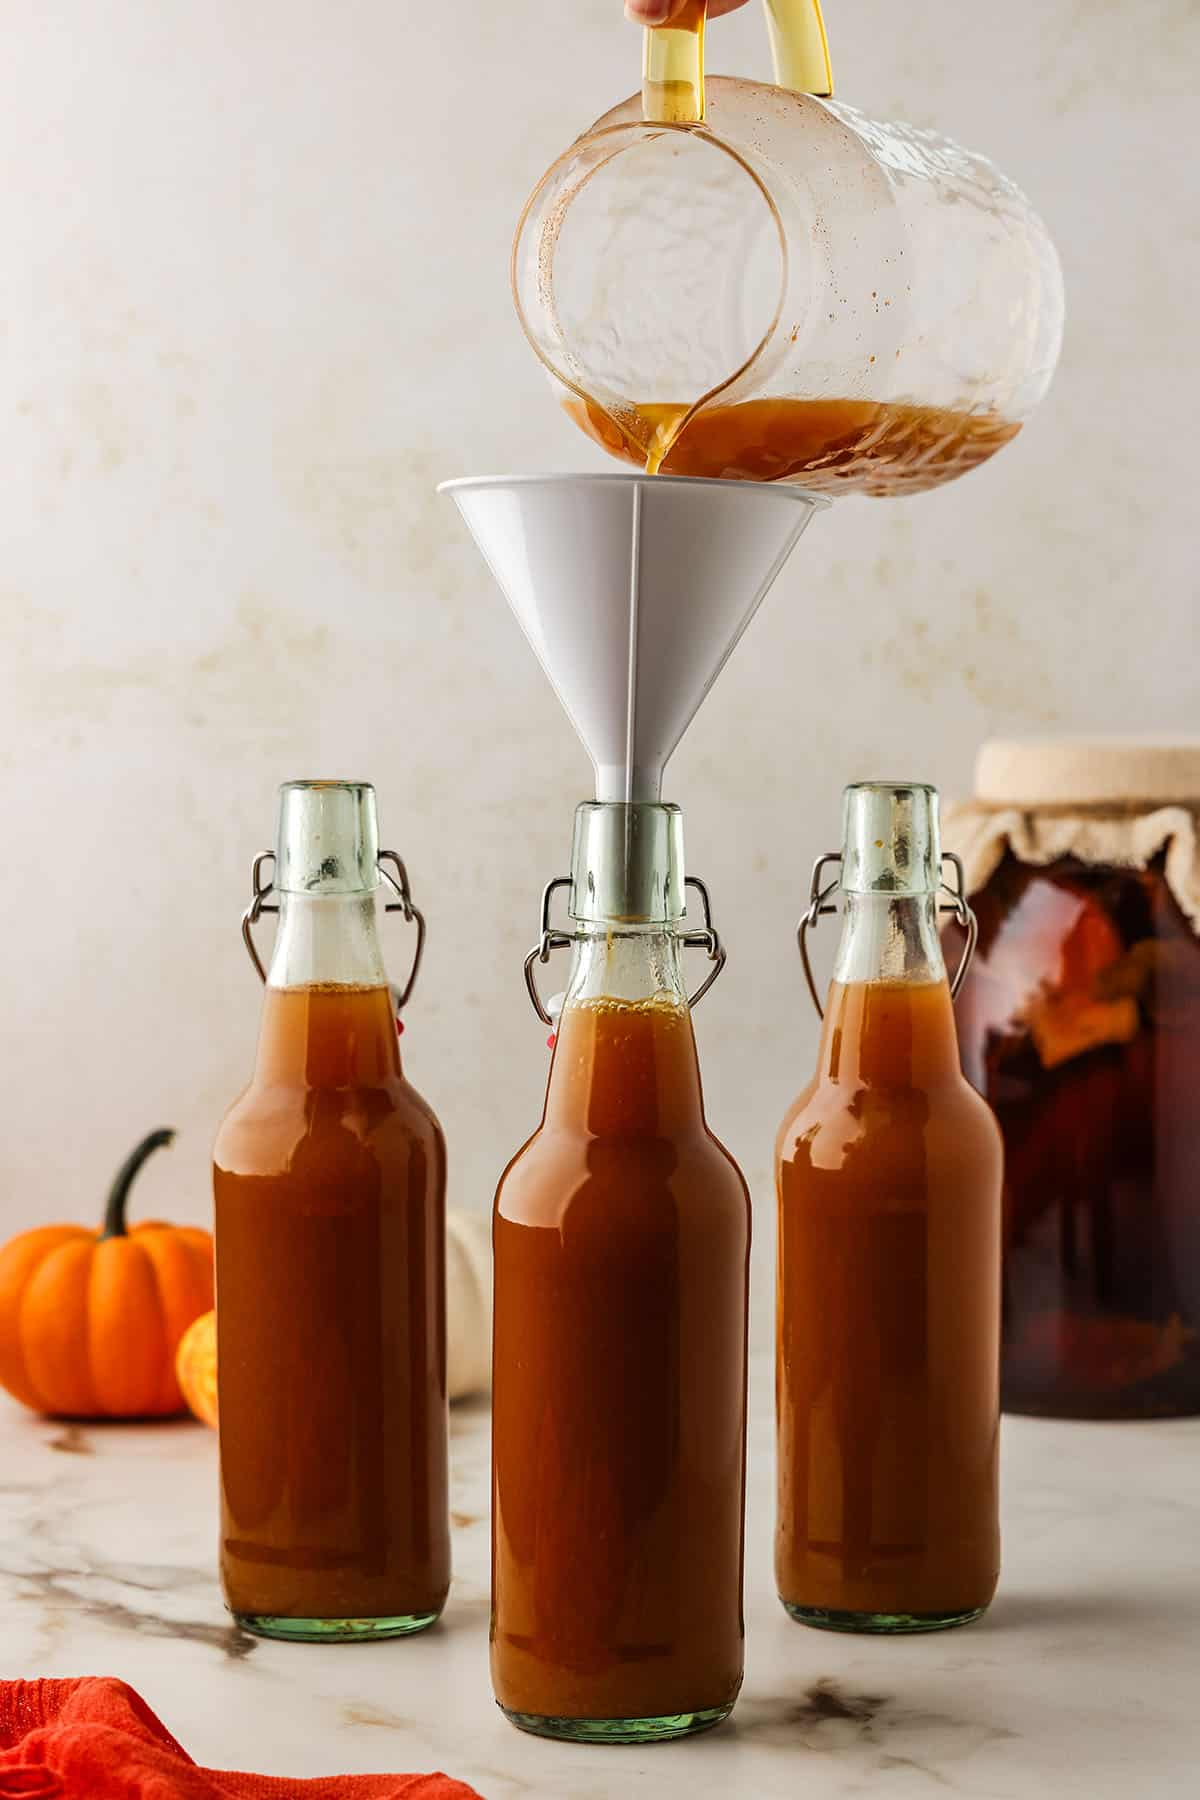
x=889, y=1170
x=622, y=1238
x=830, y=446
x=329, y=1180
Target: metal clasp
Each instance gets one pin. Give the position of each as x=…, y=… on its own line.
x=705, y=937
x=963, y=915
x=260, y=893
x=403, y=903
x=260, y=903
x=819, y=907
x=548, y=941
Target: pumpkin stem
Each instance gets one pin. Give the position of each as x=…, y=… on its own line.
x=114, y=1212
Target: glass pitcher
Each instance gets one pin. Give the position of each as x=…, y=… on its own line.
x=726, y=278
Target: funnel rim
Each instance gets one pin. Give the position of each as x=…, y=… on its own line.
x=788, y=490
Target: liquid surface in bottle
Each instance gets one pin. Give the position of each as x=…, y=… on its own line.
x=329, y=1185
x=889, y=1171
x=830, y=446
x=621, y=1245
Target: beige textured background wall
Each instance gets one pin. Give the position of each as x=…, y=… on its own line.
x=254, y=306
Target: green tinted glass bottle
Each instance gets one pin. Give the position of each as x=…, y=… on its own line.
x=622, y=1235
x=889, y=1174
x=329, y=1177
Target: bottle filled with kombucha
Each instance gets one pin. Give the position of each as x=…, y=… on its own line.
x=622, y=1236
x=888, y=1301
x=329, y=1178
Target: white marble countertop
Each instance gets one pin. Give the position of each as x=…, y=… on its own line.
x=1084, y=1679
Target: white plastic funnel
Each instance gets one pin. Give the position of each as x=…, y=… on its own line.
x=633, y=591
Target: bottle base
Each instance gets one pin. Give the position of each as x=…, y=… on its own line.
x=335, y=1631
x=881, y=1624
x=620, y=1731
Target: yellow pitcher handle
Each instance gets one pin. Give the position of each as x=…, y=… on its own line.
x=673, y=58
x=799, y=46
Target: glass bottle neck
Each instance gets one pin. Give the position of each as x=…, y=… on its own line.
x=889, y=937
x=328, y=1017
x=327, y=940
x=624, y=963
x=889, y=1020
x=625, y=1056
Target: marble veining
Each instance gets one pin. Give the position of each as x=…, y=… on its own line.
x=1080, y=1681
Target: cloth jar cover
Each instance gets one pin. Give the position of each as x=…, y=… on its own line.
x=1108, y=802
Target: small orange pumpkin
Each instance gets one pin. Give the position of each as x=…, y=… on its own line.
x=196, y=1367
x=90, y=1320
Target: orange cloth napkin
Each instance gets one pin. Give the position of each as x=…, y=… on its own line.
x=95, y=1739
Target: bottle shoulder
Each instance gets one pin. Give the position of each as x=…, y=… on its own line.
x=556, y=1174
x=420, y=1108
x=949, y=1114
x=823, y=1097
x=272, y=1120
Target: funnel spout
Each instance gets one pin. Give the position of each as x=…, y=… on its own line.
x=628, y=784
x=632, y=591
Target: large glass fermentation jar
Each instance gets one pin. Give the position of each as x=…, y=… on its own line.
x=1080, y=1023
x=736, y=279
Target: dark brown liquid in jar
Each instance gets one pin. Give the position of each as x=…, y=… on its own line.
x=1080, y=1023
